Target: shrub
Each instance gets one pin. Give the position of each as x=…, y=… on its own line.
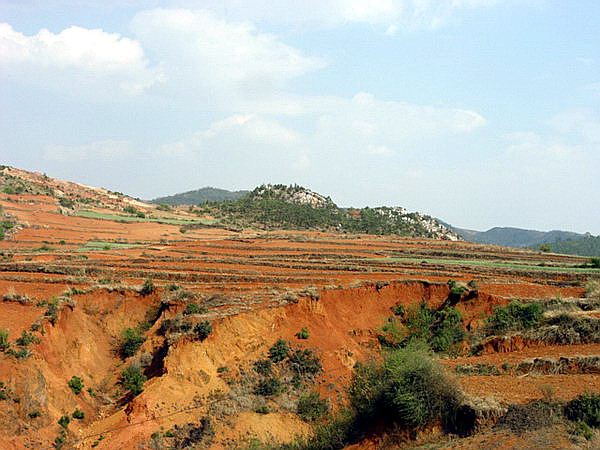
x=269, y=387
x=595, y=262
x=4, y=344
x=131, y=342
x=442, y=329
x=582, y=429
x=584, y=408
x=263, y=409
x=27, y=338
x=147, y=288
x=164, y=207
x=305, y=362
x=78, y=414
x=263, y=367
x=417, y=390
x=66, y=202
x=514, y=316
x=64, y=421
x=279, y=351
x=133, y=380
x=398, y=310
x=194, y=308
x=130, y=210
x=303, y=333
x=76, y=384
x=203, y=329
x=311, y=407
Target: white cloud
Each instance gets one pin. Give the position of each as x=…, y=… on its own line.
x=76, y=60
x=213, y=61
x=108, y=150
x=379, y=150
x=391, y=15
x=580, y=122
x=532, y=146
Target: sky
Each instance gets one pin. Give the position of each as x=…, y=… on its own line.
x=482, y=113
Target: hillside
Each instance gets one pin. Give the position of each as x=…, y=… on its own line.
x=199, y=196
x=295, y=207
x=123, y=329
x=585, y=246
x=515, y=237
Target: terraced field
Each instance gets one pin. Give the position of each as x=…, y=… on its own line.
x=74, y=281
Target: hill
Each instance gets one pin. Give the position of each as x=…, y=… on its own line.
x=585, y=246
x=295, y=207
x=515, y=237
x=199, y=196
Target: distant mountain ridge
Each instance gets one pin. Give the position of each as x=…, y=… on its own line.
x=515, y=237
x=199, y=196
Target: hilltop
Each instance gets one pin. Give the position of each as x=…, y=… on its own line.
x=199, y=196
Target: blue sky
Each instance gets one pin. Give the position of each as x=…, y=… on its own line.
x=480, y=112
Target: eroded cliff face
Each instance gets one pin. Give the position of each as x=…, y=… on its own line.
x=191, y=380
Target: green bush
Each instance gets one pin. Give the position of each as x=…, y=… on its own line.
x=78, y=414
x=582, y=429
x=584, y=408
x=595, y=262
x=203, y=330
x=263, y=367
x=194, y=308
x=442, y=329
x=311, y=407
x=269, y=387
x=417, y=389
x=26, y=339
x=76, y=384
x=514, y=316
x=279, y=351
x=4, y=343
x=263, y=409
x=131, y=342
x=130, y=210
x=64, y=421
x=303, y=333
x=147, y=288
x=133, y=380
x=305, y=363
x=66, y=202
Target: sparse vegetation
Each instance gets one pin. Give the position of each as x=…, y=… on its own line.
x=76, y=384
x=443, y=329
x=311, y=407
x=279, y=351
x=303, y=333
x=147, y=288
x=203, y=330
x=132, y=379
x=514, y=316
x=132, y=340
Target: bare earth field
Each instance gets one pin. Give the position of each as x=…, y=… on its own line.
x=255, y=287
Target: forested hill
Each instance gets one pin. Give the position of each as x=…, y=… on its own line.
x=295, y=207
x=199, y=196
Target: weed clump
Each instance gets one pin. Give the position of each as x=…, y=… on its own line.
x=76, y=384
x=514, y=316
x=133, y=380
x=311, y=407
x=279, y=351
x=132, y=340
